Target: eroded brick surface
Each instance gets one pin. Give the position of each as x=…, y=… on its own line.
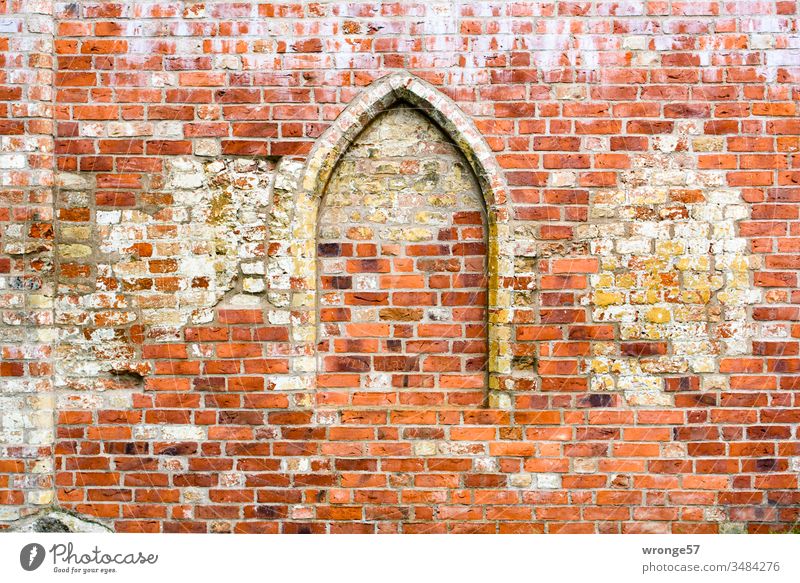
x=166, y=180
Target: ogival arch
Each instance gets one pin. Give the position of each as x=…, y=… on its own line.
x=298, y=190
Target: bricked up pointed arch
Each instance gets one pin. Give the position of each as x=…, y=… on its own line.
x=292, y=264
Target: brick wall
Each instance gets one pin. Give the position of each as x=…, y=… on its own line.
x=166, y=279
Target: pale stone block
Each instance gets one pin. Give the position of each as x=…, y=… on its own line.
x=107, y=217
x=326, y=417
x=69, y=181
x=301, y=512
x=296, y=464
x=635, y=42
x=231, y=62
x=40, y=497
x=8, y=513
x=633, y=246
x=9, y=26
x=548, y=481
x=168, y=129
x=129, y=129
x=646, y=59
x=563, y=178
x=75, y=251
x=674, y=450
x=762, y=41
x=714, y=514
x=207, y=147
x=500, y=400
x=708, y=144
x=253, y=268
x=253, y=285
x=378, y=381
x=485, y=464
x=13, y=161
x=520, y=480
x=570, y=91
x=231, y=480
x=585, y=466
x=193, y=495
x=648, y=398
x=304, y=364
x=424, y=448
x=183, y=432
x=145, y=432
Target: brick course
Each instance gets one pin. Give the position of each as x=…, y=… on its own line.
x=175, y=271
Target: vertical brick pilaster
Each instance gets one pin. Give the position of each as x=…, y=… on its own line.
x=26, y=256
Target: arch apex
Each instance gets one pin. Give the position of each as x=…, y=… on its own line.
x=380, y=95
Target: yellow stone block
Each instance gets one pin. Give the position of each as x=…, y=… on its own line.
x=74, y=251
x=360, y=233
x=670, y=248
x=658, y=315
x=81, y=233
x=605, y=280
x=412, y=234
x=604, y=298
x=650, y=296
x=626, y=280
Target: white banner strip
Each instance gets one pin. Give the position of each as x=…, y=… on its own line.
x=355, y=558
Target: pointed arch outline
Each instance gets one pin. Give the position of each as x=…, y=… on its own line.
x=292, y=255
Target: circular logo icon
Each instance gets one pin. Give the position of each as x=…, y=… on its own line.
x=31, y=556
